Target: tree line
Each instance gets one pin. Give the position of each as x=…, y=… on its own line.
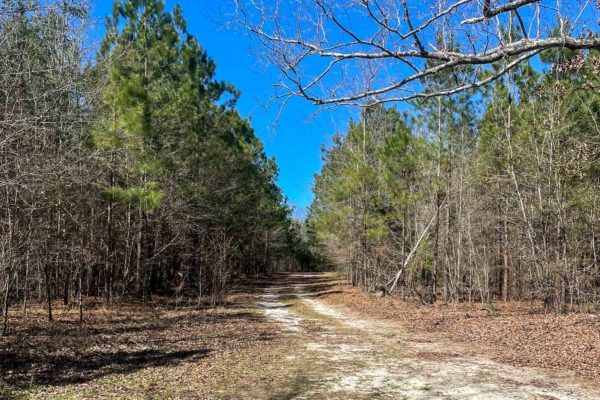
x=127, y=172
x=483, y=195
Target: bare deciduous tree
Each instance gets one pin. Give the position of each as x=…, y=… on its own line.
x=393, y=45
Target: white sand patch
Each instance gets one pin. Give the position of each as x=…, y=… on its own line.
x=338, y=351
x=331, y=312
x=362, y=359
x=278, y=311
x=417, y=379
x=364, y=380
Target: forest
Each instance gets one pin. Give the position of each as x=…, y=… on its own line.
x=481, y=197
x=444, y=242
x=129, y=173
x=472, y=172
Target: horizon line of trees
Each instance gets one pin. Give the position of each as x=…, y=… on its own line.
x=130, y=175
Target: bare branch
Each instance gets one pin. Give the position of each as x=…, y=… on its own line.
x=490, y=13
x=318, y=44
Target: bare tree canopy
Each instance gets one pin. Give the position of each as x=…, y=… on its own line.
x=393, y=46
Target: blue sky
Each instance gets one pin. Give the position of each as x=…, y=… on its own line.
x=301, y=128
x=296, y=140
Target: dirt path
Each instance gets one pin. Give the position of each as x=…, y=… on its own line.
x=346, y=357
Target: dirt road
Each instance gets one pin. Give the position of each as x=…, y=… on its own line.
x=342, y=356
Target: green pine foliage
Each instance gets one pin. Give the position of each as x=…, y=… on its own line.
x=503, y=184
x=134, y=174
x=184, y=156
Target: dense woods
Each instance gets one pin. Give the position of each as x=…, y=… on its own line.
x=450, y=248
x=128, y=171
x=131, y=174
x=479, y=196
x=485, y=186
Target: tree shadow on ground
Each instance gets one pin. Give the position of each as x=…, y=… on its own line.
x=289, y=286
x=125, y=324
x=18, y=369
x=132, y=337
x=299, y=386
x=119, y=341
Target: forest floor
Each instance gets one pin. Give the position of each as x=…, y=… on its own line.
x=154, y=351
x=299, y=336
x=516, y=333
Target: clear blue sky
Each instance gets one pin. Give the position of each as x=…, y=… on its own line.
x=296, y=140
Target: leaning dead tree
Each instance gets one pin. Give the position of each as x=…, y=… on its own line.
x=321, y=46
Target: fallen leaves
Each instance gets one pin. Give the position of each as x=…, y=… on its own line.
x=516, y=333
x=135, y=352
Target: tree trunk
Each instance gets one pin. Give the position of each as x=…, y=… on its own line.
x=505, y=270
x=48, y=291
x=79, y=294
x=138, y=255
x=109, y=246
x=5, y=305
